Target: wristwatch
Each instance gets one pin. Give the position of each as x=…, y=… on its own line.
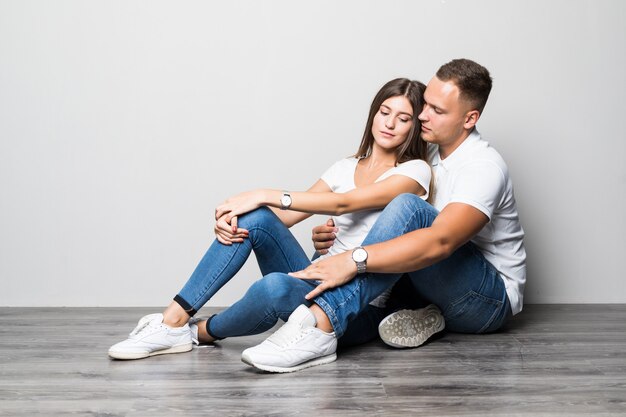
x=285, y=201
x=359, y=256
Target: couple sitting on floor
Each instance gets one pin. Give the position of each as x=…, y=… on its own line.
x=424, y=235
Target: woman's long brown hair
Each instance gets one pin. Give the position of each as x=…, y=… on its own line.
x=413, y=147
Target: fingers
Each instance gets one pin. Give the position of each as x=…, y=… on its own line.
x=225, y=234
x=229, y=239
x=324, y=237
x=317, y=291
x=219, y=212
x=233, y=224
x=225, y=226
x=314, y=272
x=322, y=247
x=227, y=210
x=222, y=240
x=310, y=272
x=324, y=229
x=222, y=226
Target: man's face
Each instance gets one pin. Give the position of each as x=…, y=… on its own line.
x=444, y=117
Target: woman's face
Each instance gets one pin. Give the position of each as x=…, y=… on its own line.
x=393, y=122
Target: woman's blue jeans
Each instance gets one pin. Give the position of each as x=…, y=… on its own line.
x=275, y=248
x=467, y=289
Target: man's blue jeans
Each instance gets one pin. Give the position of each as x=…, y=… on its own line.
x=467, y=289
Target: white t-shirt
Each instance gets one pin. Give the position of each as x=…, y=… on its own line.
x=353, y=227
x=475, y=174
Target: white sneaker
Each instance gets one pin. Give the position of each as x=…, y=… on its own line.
x=411, y=328
x=193, y=328
x=152, y=337
x=298, y=344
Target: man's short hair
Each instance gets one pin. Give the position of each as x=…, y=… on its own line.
x=472, y=79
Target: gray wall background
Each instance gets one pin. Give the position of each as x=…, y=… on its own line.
x=124, y=123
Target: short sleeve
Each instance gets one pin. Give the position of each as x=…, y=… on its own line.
x=415, y=169
x=480, y=184
x=334, y=175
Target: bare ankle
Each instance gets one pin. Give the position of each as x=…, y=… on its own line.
x=323, y=322
x=203, y=335
x=174, y=322
x=175, y=316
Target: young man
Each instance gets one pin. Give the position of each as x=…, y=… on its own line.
x=465, y=255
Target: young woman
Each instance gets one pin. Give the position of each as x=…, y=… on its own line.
x=390, y=161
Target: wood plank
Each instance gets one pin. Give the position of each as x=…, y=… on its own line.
x=550, y=360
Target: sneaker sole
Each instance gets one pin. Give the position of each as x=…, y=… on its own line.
x=411, y=328
x=126, y=356
x=277, y=369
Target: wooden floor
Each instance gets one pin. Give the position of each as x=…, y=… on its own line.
x=563, y=360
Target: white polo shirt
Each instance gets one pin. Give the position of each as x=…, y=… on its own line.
x=475, y=174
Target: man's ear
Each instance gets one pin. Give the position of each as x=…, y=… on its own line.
x=471, y=118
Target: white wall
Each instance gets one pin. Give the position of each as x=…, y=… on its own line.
x=124, y=123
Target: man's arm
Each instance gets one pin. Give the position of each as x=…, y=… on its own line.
x=455, y=225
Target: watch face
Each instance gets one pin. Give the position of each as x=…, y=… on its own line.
x=359, y=255
x=286, y=200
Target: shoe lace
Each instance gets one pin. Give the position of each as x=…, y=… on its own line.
x=141, y=327
x=286, y=335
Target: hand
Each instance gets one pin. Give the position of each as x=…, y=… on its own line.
x=228, y=233
x=333, y=271
x=240, y=204
x=324, y=236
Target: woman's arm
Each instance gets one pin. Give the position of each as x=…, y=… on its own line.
x=369, y=197
x=291, y=217
x=373, y=196
x=227, y=232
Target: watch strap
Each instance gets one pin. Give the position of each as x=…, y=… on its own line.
x=361, y=266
